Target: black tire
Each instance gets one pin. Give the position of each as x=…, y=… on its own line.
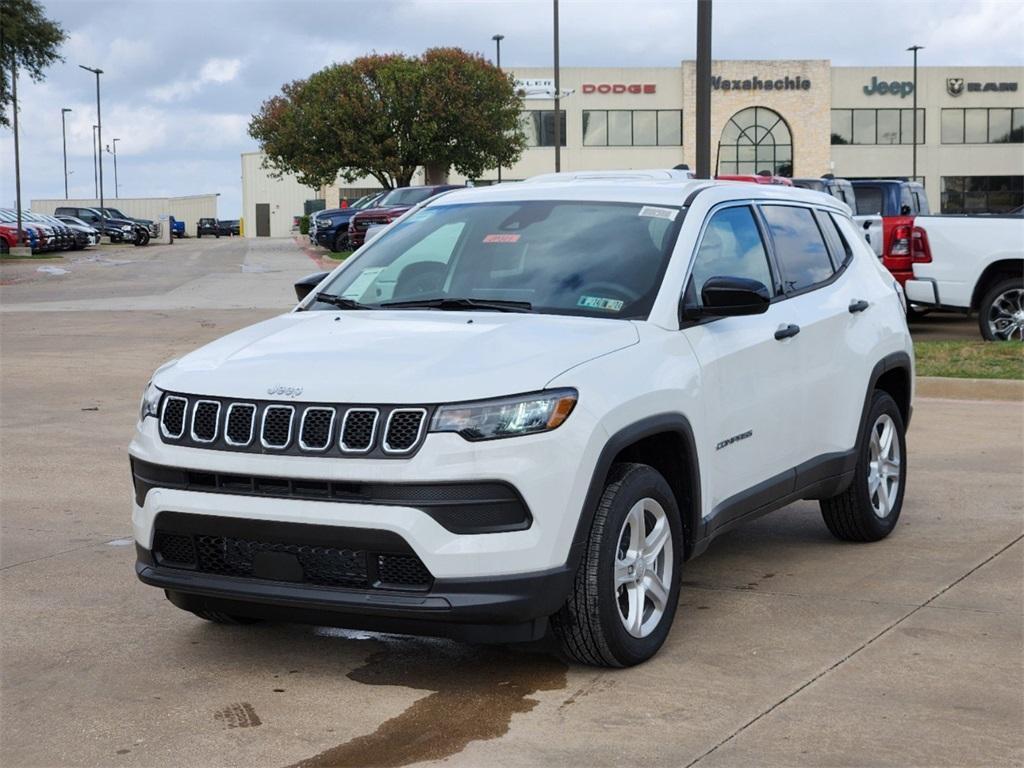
x=851, y=515
x=985, y=309
x=589, y=626
x=219, y=617
x=141, y=238
x=339, y=242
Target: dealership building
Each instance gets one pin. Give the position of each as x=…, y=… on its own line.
x=801, y=118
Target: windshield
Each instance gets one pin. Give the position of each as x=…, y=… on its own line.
x=405, y=196
x=560, y=257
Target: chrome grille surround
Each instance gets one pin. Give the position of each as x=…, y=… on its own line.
x=168, y=400
x=227, y=423
x=345, y=448
x=196, y=415
x=388, y=445
x=330, y=428
x=273, y=409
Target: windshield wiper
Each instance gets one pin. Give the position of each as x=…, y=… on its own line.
x=456, y=304
x=341, y=302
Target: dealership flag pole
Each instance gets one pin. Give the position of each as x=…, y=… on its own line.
x=558, y=102
x=915, y=49
x=703, y=127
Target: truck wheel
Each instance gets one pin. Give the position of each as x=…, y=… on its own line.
x=869, y=508
x=1001, y=314
x=624, y=594
x=141, y=237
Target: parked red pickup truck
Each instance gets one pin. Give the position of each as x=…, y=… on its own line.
x=388, y=208
x=897, y=202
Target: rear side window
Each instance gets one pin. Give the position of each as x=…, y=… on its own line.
x=800, y=249
x=869, y=201
x=841, y=251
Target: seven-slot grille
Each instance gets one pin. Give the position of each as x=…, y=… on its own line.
x=261, y=427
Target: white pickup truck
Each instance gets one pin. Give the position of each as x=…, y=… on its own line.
x=972, y=263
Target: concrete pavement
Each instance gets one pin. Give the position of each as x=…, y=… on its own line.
x=789, y=648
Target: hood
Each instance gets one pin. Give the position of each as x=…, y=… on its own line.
x=391, y=210
x=393, y=357
x=113, y=222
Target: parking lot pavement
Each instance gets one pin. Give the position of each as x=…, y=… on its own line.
x=789, y=648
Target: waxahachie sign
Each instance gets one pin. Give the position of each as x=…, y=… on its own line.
x=757, y=84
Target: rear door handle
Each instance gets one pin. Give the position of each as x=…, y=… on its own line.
x=787, y=331
x=858, y=305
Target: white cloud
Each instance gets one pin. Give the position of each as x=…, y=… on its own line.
x=216, y=71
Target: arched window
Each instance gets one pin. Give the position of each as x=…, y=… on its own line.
x=756, y=139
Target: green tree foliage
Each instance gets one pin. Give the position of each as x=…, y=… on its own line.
x=27, y=39
x=385, y=115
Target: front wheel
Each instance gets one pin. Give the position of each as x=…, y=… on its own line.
x=624, y=595
x=1001, y=314
x=141, y=237
x=869, y=508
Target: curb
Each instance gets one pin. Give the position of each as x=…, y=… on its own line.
x=970, y=389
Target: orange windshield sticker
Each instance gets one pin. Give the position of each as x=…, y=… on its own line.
x=504, y=238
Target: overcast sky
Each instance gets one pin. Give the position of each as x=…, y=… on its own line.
x=182, y=78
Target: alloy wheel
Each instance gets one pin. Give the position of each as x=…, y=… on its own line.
x=643, y=567
x=1006, y=315
x=884, y=466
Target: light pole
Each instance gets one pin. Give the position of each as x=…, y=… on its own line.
x=64, y=139
x=114, y=153
x=95, y=167
x=702, y=142
x=915, y=49
x=558, y=100
x=99, y=124
x=497, y=62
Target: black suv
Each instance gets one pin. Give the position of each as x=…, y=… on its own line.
x=213, y=227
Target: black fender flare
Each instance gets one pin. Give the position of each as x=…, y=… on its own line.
x=672, y=422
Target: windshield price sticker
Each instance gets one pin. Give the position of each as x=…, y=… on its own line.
x=502, y=238
x=597, y=302
x=655, y=212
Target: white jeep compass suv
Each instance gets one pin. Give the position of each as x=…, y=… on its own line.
x=527, y=406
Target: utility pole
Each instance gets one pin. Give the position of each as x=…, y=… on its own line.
x=99, y=124
x=64, y=138
x=95, y=168
x=915, y=49
x=497, y=62
x=558, y=101
x=702, y=142
x=114, y=143
x=17, y=150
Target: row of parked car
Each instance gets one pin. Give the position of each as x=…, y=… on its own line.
x=43, y=233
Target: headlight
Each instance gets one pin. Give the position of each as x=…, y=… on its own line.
x=507, y=416
x=126, y=228
x=150, y=404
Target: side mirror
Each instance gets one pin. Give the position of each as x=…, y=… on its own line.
x=308, y=283
x=731, y=296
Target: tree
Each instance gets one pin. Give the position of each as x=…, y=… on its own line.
x=386, y=115
x=28, y=41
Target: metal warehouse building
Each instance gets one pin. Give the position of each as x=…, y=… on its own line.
x=188, y=209
x=789, y=117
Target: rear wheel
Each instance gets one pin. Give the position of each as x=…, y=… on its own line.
x=624, y=595
x=869, y=509
x=1001, y=314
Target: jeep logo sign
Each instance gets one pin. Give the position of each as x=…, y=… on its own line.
x=618, y=88
x=901, y=88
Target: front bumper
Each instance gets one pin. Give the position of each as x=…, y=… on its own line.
x=508, y=609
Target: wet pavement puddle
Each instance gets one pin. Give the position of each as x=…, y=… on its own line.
x=474, y=691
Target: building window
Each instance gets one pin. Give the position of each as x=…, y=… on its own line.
x=983, y=126
x=982, y=194
x=755, y=139
x=876, y=126
x=632, y=128
x=539, y=127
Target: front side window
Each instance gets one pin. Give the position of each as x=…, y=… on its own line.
x=731, y=247
x=799, y=247
x=554, y=257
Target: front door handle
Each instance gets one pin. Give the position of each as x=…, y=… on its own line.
x=858, y=305
x=787, y=331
